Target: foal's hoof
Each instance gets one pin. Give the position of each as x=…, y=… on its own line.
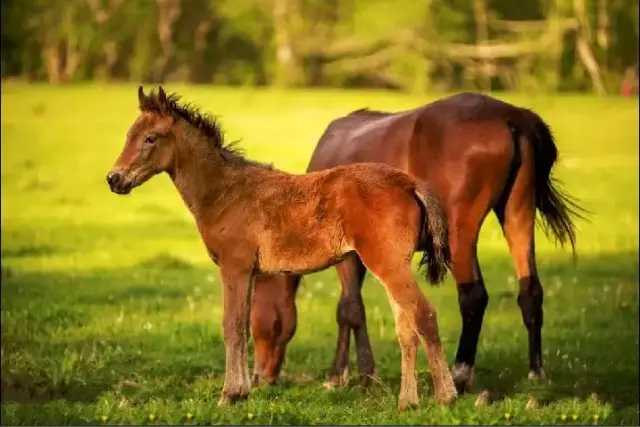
x=532, y=403
x=536, y=376
x=462, y=375
x=483, y=398
x=228, y=399
x=446, y=398
x=407, y=403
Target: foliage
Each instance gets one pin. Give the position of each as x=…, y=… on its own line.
x=400, y=44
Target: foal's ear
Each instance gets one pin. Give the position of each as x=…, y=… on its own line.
x=141, y=95
x=162, y=97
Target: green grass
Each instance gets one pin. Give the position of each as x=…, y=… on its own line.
x=111, y=309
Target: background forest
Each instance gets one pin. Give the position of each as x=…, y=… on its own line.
x=418, y=46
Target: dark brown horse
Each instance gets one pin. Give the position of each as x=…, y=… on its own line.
x=479, y=154
x=254, y=220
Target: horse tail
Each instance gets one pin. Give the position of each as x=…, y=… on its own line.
x=558, y=208
x=434, y=236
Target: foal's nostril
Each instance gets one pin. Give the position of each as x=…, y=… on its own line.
x=113, y=178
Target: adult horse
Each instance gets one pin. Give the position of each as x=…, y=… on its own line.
x=479, y=154
x=254, y=219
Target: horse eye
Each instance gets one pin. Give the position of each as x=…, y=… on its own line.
x=150, y=139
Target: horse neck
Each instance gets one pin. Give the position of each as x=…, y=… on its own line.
x=203, y=176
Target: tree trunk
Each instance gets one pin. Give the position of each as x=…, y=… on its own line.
x=52, y=61
x=102, y=15
x=602, y=35
x=77, y=46
x=168, y=12
x=286, y=63
x=199, y=45
x=584, y=49
x=482, y=37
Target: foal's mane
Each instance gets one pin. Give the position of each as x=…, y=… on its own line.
x=208, y=124
x=366, y=112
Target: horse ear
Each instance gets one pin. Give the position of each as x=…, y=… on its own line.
x=162, y=97
x=141, y=95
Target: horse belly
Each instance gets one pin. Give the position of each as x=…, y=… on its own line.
x=299, y=252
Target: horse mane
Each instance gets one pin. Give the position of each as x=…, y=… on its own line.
x=366, y=112
x=207, y=123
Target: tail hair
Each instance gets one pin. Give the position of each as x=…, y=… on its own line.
x=558, y=208
x=434, y=239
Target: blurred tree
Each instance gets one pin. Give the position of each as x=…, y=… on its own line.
x=402, y=44
x=103, y=12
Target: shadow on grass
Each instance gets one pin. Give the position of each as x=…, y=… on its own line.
x=187, y=357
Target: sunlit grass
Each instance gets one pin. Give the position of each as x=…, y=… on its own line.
x=111, y=308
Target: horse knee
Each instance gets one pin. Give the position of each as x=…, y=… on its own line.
x=530, y=300
x=472, y=299
x=351, y=312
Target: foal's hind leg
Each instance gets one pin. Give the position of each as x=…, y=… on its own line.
x=414, y=314
x=517, y=217
x=351, y=316
x=408, y=340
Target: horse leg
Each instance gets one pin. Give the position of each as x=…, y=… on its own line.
x=415, y=315
x=350, y=315
x=408, y=340
x=517, y=217
x=472, y=294
x=237, y=286
x=289, y=321
x=273, y=323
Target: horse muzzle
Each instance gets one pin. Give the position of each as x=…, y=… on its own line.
x=118, y=183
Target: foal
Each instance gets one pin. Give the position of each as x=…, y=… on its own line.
x=257, y=220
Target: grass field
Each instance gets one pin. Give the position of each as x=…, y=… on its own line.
x=111, y=308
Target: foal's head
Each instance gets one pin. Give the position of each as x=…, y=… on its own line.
x=154, y=139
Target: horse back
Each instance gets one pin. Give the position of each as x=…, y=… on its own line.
x=365, y=136
x=435, y=142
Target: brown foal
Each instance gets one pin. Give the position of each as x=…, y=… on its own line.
x=255, y=220
x=479, y=154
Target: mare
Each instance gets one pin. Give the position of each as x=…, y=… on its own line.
x=479, y=154
x=254, y=219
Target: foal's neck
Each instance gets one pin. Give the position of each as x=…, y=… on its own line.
x=205, y=174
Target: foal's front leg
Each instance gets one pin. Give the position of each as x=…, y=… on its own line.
x=237, y=287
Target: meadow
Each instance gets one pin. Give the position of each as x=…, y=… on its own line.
x=111, y=308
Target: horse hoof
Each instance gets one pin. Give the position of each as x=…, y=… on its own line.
x=366, y=380
x=462, y=375
x=535, y=376
x=406, y=403
x=532, y=403
x=270, y=380
x=483, y=398
x=224, y=401
x=446, y=398
x=255, y=381
x=331, y=384
x=335, y=381
x=228, y=399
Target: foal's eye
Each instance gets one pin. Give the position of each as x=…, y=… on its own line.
x=150, y=139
